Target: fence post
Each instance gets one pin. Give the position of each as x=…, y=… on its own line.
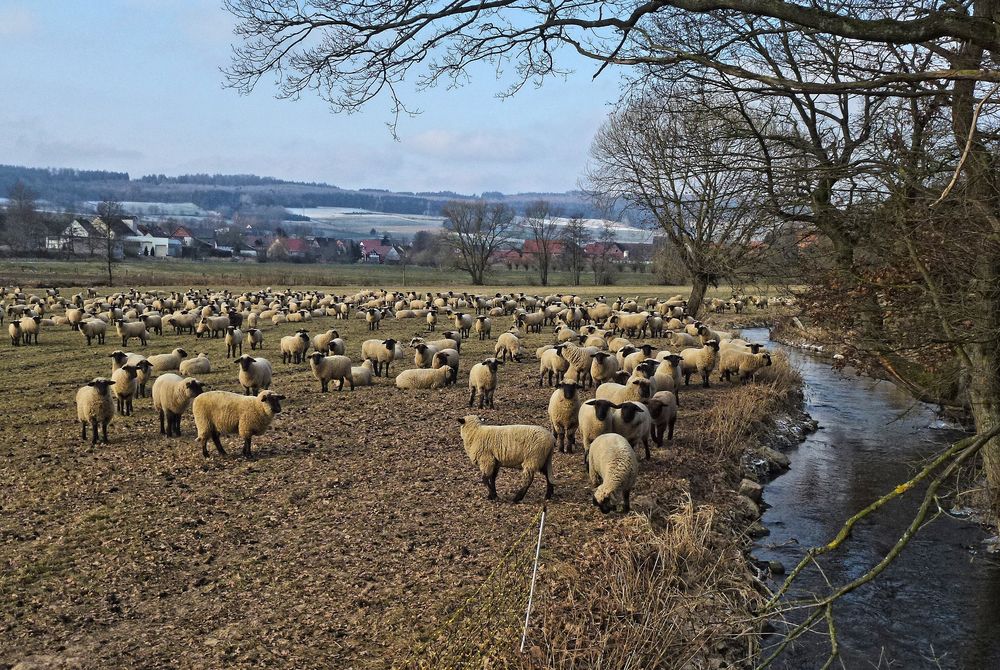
x=534, y=576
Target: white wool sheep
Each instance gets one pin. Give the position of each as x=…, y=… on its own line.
x=322, y=342
x=463, y=322
x=663, y=413
x=213, y=325
x=420, y=378
x=256, y=338
x=596, y=417
x=483, y=379
x=361, y=375
x=221, y=413
x=374, y=318
x=450, y=358
x=328, y=368
x=124, y=388
x=255, y=373
x=423, y=354
x=742, y=363
x=14, y=330
x=483, y=327
x=30, y=327
x=566, y=334
x=613, y=469
x=603, y=367
x=94, y=406
x=432, y=319
x=678, y=340
x=294, y=347
x=634, y=389
x=552, y=364
x=199, y=365
x=633, y=422
x=93, y=329
x=618, y=343
x=508, y=346
x=234, y=341
x=131, y=329
x=636, y=357
x=172, y=395
x=167, y=362
x=668, y=374
x=564, y=410
x=702, y=361
x=528, y=448
x=380, y=352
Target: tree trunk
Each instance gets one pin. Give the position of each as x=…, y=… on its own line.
x=698, y=288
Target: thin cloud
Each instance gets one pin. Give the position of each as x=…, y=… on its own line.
x=17, y=21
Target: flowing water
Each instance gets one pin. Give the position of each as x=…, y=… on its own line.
x=938, y=605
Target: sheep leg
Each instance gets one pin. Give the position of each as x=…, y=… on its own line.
x=104, y=431
x=490, y=481
x=472, y=397
x=704, y=379
x=83, y=435
x=645, y=443
x=323, y=385
x=218, y=443
x=246, y=448
x=558, y=436
x=527, y=477
x=163, y=428
x=670, y=434
x=625, y=495
x=546, y=470
x=571, y=438
x=687, y=378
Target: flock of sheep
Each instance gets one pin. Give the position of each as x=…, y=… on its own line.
x=637, y=387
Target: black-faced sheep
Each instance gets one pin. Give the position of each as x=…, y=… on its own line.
x=222, y=413
x=528, y=448
x=95, y=406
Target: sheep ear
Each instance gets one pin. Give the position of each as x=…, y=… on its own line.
x=461, y=420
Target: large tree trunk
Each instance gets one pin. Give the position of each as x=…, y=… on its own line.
x=697, y=297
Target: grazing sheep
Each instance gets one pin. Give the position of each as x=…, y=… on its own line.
x=580, y=359
x=294, y=347
x=742, y=363
x=613, y=469
x=221, y=412
x=529, y=448
x=92, y=329
x=127, y=330
x=633, y=422
x=256, y=337
x=172, y=395
x=255, y=373
x=483, y=378
x=167, y=362
x=483, y=327
x=564, y=410
x=327, y=368
x=199, y=365
x=30, y=327
x=603, y=367
x=419, y=378
x=380, y=353
x=663, y=412
x=702, y=361
x=552, y=364
x=94, y=406
x=124, y=388
x=14, y=330
x=423, y=354
x=361, y=375
x=450, y=358
x=508, y=346
x=634, y=389
x=234, y=341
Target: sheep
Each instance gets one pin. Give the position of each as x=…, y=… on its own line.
x=705, y=334
x=93, y=329
x=30, y=327
x=483, y=378
x=14, y=330
x=529, y=448
x=327, y=368
x=633, y=359
x=579, y=359
x=234, y=341
x=634, y=389
x=213, y=325
x=663, y=413
x=380, y=353
x=255, y=373
x=172, y=395
x=323, y=342
x=603, y=367
x=634, y=324
x=293, y=347
x=553, y=364
x=374, y=318
x=450, y=358
x=564, y=409
x=419, y=378
x=222, y=412
x=167, y=362
x=127, y=330
x=153, y=322
x=199, y=365
x=483, y=326
x=743, y=363
x=702, y=361
x=633, y=422
x=454, y=336
x=256, y=337
x=668, y=375
x=94, y=406
x=677, y=340
x=613, y=470
x=124, y=388
x=432, y=320
x=361, y=375
x=566, y=334
x=508, y=346
x=596, y=417
x=617, y=344
x=74, y=316
x=423, y=354
x=463, y=322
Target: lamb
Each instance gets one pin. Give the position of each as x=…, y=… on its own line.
x=529, y=448
x=483, y=378
x=743, y=363
x=508, y=346
x=94, y=406
x=380, y=353
x=603, y=367
x=483, y=327
x=256, y=337
x=423, y=354
x=419, y=378
x=633, y=422
x=128, y=330
x=450, y=358
x=166, y=362
x=222, y=412
x=293, y=347
x=124, y=388
x=635, y=389
x=702, y=361
x=255, y=373
x=93, y=329
x=199, y=365
x=30, y=327
x=553, y=364
x=596, y=417
x=663, y=413
x=564, y=409
x=234, y=341
x=327, y=368
x=361, y=375
x=172, y=395
x=613, y=470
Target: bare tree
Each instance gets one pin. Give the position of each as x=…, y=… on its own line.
x=109, y=211
x=600, y=258
x=478, y=229
x=22, y=217
x=540, y=220
x=575, y=237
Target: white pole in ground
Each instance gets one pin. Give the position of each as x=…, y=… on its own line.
x=534, y=575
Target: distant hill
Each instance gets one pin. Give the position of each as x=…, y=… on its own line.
x=67, y=187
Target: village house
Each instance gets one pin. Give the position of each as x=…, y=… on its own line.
x=378, y=252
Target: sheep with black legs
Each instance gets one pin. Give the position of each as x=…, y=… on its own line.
x=596, y=417
x=508, y=346
x=564, y=410
x=450, y=358
x=483, y=380
x=124, y=388
x=331, y=368
x=553, y=364
x=633, y=422
x=255, y=373
x=381, y=353
x=172, y=395
x=93, y=329
x=167, y=362
x=199, y=365
x=128, y=330
x=234, y=341
x=663, y=413
x=613, y=469
x=294, y=347
x=743, y=364
x=219, y=413
x=528, y=448
x=703, y=361
x=95, y=406
x=421, y=378
x=483, y=327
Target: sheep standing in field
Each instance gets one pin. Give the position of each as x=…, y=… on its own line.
x=327, y=368
x=255, y=373
x=633, y=422
x=579, y=359
x=94, y=406
x=361, y=375
x=93, y=329
x=668, y=375
x=213, y=325
x=14, y=330
x=483, y=379
x=553, y=364
x=508, y=346
x=420, y=378
x=381, y=353
x=323, y=342
x=596, y=417
x=124, y=388
x=432, y=319
x=30, y=327
x=483, y=327
x=222, y=413
x=635, y=388
x=450, y=358
x=131, y=329
x=167, y=362
x=172, y=395
x=463, y=322
x=528, y=448
x=199, y=365
x=613, y=469
x=663, y=413
x=294, y=347
x=564, y=410
x=423, y=354
x=234, y=341
x=374, y=318
x=743, y=364
x=256, y=337
x=702, y=361
x=603, y=367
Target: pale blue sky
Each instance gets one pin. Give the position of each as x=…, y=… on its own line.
x=135, y=85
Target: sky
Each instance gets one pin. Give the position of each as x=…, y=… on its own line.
x=135, y=85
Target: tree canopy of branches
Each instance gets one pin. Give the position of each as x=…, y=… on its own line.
x=478, y=229
x=22, y=216
x=575, y=237
x=109, y=210
x=540, y=220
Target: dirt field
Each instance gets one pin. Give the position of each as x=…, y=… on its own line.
x=347, y=542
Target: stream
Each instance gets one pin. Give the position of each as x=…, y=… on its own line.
x=938, y=605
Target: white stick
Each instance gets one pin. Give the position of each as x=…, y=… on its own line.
x=534, y=575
